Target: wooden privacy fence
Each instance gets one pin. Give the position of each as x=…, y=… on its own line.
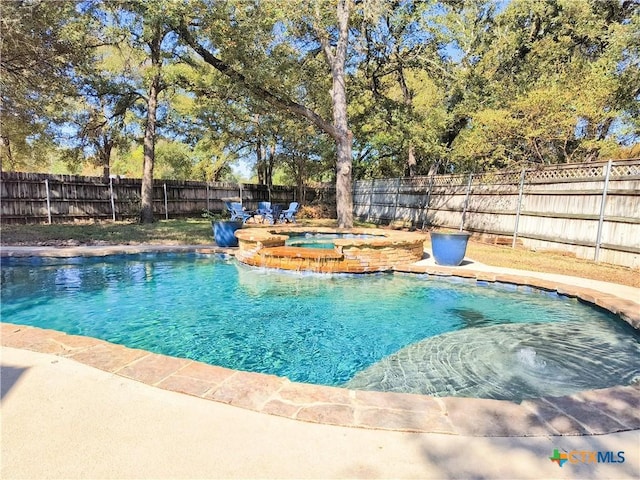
x=35, y=197
x=592, y=209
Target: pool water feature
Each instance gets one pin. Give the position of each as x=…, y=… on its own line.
x=329, y=250
x=334, y=330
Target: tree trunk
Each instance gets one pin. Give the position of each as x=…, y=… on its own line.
x=260, y=162
x=269, y=164
x=105, y=157
x=300, y=173
x=408, y=101
x=146, y=206
x=343, y=137
x=344, y=196
x=411, y=161
x=5, y=144
x=261, y=154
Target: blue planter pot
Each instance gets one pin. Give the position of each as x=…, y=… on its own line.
x=224, y=233
x=449, y=248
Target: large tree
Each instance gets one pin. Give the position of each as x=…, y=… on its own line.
x=149, y=51
x=154, y=35
x=42, y=47
x=297, y=23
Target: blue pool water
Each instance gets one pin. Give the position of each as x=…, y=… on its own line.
x=321, y=240
x=325, y=329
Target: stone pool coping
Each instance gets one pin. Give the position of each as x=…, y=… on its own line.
x=590, y=412
x=279, y=233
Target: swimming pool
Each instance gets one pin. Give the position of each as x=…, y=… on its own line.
x=331, y=330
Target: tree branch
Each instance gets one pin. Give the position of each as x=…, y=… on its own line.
x=238, y=77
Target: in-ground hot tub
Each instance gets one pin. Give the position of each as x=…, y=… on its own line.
x=354, y=250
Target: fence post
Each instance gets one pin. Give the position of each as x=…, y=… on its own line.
x=46, y=186
x=466, y=201
x=373, y=186
x=395, y=205
x=603, y=204
x=518, y=208
x=425, y=208
x=208, y=209
x=166, y=204
x=354, y=205
x=113, y=203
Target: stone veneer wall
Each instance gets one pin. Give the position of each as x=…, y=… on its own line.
x=266, y=248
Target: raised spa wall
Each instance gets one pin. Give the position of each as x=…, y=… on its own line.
x=265, y=247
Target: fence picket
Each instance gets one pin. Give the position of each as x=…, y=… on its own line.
x=562, y=205
x=68, y=197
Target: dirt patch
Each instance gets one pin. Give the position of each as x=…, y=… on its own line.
x=551, y=262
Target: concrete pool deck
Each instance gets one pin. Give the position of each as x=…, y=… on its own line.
x=435, y=431
x=63, y=419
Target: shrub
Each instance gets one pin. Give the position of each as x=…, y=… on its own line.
x=316, y=211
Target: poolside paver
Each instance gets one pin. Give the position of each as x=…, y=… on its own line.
x=591, y=412
x=328, y=413
x=281, y=409
x=498, y=418
x=429, y=420
x=153, y=368
x=62, y=419
x=32, y=339
x=108, y=356
x=202, y=371
x=621, y=403
x=305, y=393
x=74, y=343
x=188, y=385
x=557, y=420
x=104, y=250
x=594, y=420
x=8, y=329
x=398, y=401
x=247, y=389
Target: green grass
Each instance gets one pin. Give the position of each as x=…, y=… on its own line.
x=182, y=231
x=190, y=231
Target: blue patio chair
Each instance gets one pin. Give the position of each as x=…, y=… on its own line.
x=289, y=215
x=238, y=212
x=264, y=208
x=273, y=214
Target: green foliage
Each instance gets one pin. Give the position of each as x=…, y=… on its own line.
x=42, y=45
x=173, y=160
x=429, y=83
x=128, y=163
x=559, y=73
